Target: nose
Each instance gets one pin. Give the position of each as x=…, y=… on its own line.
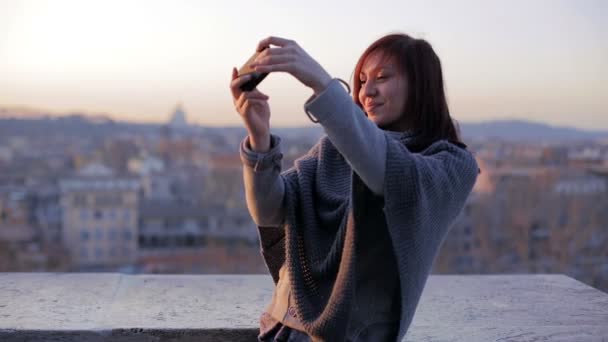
x=368, y=89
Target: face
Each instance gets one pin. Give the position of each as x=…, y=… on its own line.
x=383, y=92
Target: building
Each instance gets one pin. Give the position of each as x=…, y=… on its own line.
x=99, y=218
x=178, y=118
x=19, y=241
x=188, y=238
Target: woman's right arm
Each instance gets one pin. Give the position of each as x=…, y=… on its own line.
x=264, y=187
x=260, y=154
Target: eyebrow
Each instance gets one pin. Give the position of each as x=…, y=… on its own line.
x=380, y=68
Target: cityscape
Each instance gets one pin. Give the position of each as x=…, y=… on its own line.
x=81, y=193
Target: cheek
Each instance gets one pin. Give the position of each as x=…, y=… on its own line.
x=397, y=98
x=361, y=97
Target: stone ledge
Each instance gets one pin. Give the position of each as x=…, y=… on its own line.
x=150, y=307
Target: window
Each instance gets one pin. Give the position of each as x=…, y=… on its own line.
x=112, y=234
x=84, y=235
x=126, y=214
x=108, y=199
x=84, y=214
x=464, y=261
x=563, y=218
x=79, y=200
x=98, y=252
x=189, y=240
x=99, y=234
x=98, y=214
x=84, y=253
x=127, y=235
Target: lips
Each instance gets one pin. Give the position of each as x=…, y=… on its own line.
x=371, y=107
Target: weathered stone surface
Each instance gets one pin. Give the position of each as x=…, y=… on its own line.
x=530, y=307
x=120, y=307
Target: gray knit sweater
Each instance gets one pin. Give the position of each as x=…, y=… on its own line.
x=319, y=213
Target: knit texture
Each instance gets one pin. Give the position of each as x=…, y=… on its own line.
x=423, y=194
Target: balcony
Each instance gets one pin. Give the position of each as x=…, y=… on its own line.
x=151, y=307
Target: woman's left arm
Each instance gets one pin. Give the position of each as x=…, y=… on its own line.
x=357, y=138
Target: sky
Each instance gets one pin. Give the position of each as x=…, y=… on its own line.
x=545, y=60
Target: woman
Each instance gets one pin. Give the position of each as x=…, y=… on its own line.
x=350, y=232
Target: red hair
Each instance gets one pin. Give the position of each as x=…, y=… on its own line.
x=426, y=107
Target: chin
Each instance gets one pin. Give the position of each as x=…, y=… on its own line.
x=378, y=121
x=375, y=119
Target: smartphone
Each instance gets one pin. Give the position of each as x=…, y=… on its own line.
x=256, y=78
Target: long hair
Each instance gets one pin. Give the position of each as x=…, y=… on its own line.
x=426, y=107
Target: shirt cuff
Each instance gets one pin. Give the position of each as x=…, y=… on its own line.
x=261, y=160
x=323, y=105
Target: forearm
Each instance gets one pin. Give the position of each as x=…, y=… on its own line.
x=264, y=188
x=358, y=139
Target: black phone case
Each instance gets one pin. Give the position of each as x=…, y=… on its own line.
x=256, y=78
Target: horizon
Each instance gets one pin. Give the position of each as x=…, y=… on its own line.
x=134, y=64
x=46, y=115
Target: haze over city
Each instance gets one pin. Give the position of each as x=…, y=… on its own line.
x=544, y=61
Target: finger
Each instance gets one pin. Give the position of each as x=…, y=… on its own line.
x=249, y=95
x=243, y=103
x=235, y=84
x=240, y=80
x=263, y=98
x=285, y=67
x=264, y=43
x=275, y=52
x=254, y=102
x=235, y=91
x=235, y=73
x=240, y=102
x=258, y=94
x=270, y=60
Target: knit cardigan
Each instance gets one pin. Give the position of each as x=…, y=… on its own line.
x=423, y=193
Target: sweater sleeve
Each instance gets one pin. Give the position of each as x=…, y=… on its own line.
x=264, y=187
x=360, y=141
x=265, y=193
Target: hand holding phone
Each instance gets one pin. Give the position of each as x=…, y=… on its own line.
x=256, y=77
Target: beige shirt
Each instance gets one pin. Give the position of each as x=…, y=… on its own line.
x=282, y=307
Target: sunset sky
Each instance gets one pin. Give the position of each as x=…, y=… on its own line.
x=544, y=61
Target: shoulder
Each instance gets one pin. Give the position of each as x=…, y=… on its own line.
x=448, y=147
x=452, y=153
x=458, y=143
x=461, y=152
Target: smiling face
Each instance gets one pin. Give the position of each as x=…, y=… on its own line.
x=383, y=92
